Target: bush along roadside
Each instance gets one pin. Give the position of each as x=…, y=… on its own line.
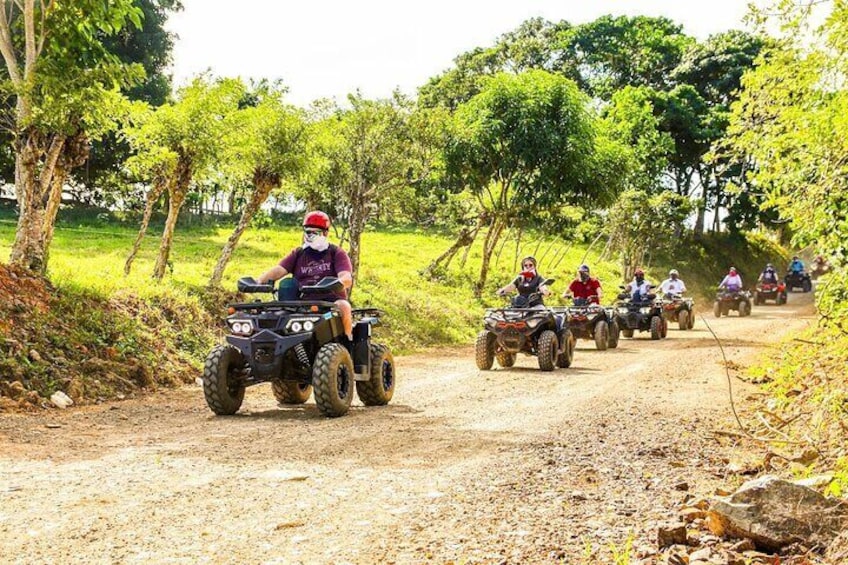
x=91, y=347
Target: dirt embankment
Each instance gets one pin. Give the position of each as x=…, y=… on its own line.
x=514, y=466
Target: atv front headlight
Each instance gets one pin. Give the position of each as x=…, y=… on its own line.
x=241, y=327
x=297, y=325
x=622, y=310
x=645, y=310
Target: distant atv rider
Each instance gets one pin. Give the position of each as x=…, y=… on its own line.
x=732, y=281
x=673, y=284
x=315, y=259
x=585, y=289
x=639, y=288
x=769, y=275
x=527, y=283
x=796, y=266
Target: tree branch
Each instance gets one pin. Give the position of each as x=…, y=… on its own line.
x=7, y=48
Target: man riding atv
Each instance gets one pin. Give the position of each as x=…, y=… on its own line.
x=731, y=296
x=673, y=285
x=585, y=289
x=529, y=284
x=770, y=287
x=315, y=259
x=769, y=275
x=638, y=288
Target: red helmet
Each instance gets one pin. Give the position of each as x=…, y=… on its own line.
x=316, y=219
x=638, y=272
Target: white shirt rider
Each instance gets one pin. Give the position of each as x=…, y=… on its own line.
x=673, y=286
x=638, y=289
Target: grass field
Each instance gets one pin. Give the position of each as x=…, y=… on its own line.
x=88, y=255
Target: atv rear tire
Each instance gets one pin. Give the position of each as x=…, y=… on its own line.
x=691, y=320
x=379, y=389
x=807, y=286
x=656, y=327
x=781, y=299
x=717, y=309
x=614, y=333
x=744, y=309
x=332, y=380
x=663, y=328
x=628, y=333
x=683, y=320
x=547, y=350
x=222, y=384
x=485, y=350
x=564, y=359
x=289, y=392
x=505, y=360
x=602, y=335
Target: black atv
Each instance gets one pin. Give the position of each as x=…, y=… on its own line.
x=800, y=280
x=589, y=320
x=298, y=346
x=521, y=328
x=680, y=310
x=727, y=300
x=640, y=315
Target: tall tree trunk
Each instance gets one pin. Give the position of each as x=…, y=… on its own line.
x=33, y=187
x=702, y=205
x=263, y=185
x=175, y=203
x=356, y=227
x=153, y=195
x=492, y=237
x=74, y=154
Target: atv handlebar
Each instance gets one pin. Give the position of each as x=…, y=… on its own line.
x=249, y=285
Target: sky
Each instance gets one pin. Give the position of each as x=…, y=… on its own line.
x=328, y=48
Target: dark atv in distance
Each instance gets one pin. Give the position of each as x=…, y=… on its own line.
x=298, y=346
x=589, y=320
x=770, y=291
x=521, y=328
x=640, y=315
x=798, y=279
x=680, y=310
x=727, y=300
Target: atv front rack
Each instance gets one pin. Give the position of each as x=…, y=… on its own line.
x=292, y=305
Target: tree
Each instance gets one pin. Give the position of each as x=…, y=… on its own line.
x=525, y=144
x=792, y=120
x=614, y=52
x=640, y=223
x=151, y=45
x=63, y=85
x=179, y=143
x=267, y=146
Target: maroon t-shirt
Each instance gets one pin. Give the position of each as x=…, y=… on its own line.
x=580, y=289
x=308, y=267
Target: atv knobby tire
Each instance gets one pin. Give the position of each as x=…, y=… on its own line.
x=656, y=327
x=691, y=320
x=566, y=342
x=663, y=328
x=683, y=320
x=505, y=360
x=379, y=389
x=547, y=350
x=614, y=334
x=717, y=309
x=602, y=335
x=807, y=286
x=744, y=309
x=628, y=333
x=222, y=384
x=485, y=350
x=290, y=392
x=781, y=299
x=332, y=380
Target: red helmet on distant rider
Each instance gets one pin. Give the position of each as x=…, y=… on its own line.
x=639, y=272
x=316, y=219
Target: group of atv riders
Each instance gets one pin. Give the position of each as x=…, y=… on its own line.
x=309, y=337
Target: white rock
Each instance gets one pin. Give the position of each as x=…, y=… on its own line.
x=61, y=400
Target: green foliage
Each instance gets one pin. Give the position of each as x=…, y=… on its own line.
x=640, y=224
x=792, y=120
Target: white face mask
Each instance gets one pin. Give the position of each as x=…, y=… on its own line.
x=317, y=242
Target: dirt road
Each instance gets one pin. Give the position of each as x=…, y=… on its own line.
x=514, y=466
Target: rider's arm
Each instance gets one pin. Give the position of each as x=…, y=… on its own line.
x=347, y=279
x=507, y=289
x=275, y=273
x=682, y=287
x=544, y=290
